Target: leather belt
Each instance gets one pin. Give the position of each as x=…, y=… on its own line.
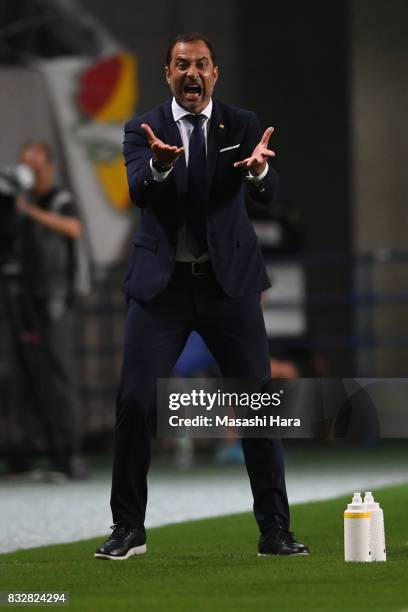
x=194, y=268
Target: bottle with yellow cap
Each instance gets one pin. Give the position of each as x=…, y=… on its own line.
x=378, y=552
x=357, y=531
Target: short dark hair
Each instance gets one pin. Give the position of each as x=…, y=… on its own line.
x=190, y=37
x=42, y=145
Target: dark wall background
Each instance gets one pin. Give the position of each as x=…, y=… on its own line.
x=294, y=61
x=147, y=28
x=288, y=61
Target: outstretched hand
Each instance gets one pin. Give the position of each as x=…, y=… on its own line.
x=256, y=164
x=166, y=155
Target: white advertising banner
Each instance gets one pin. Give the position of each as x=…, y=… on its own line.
x=91, y=100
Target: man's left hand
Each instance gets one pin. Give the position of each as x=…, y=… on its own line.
x=257, y=162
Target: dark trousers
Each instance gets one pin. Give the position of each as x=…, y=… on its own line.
x=156, y=333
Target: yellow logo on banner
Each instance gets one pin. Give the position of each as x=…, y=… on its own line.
x=108, y=93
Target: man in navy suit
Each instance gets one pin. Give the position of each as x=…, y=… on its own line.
x=195, y=264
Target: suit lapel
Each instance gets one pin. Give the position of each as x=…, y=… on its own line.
x=215, y=140
x=172, y=137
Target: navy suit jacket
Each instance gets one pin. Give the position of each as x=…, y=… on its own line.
x=233, y=247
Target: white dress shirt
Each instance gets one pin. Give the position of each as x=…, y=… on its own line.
x=185, y=128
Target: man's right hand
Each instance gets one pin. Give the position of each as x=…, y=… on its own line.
x=165, y=155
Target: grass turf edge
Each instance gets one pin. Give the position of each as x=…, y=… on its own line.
x=213, y=563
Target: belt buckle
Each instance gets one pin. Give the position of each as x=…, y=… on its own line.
x=194, y=270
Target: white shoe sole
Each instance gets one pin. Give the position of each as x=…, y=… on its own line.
x=136, y=550
x=300, y=554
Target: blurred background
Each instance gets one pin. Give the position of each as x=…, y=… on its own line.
x=331, y=78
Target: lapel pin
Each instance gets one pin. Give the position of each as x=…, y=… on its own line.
x=221, y=126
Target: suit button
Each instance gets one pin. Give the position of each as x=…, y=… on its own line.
x=145, y=183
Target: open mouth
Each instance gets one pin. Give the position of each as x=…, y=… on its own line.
x=192, y=91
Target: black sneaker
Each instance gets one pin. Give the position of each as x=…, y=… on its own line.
x=123, y=543
x=280, y=541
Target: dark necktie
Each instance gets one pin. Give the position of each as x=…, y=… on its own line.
x=196, y=206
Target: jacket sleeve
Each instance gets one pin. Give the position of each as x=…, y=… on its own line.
x=143, y=189
x=266, y=190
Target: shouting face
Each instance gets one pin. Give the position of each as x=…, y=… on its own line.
x=192, y=75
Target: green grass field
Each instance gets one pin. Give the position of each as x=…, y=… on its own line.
x=213, y=565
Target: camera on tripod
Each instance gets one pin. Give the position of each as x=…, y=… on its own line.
x=15, y=180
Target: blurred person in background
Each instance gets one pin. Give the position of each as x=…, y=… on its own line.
x=196, y=264
x=42, y=320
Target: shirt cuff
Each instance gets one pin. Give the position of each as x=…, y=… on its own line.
x=159, y=176
x=257, y=179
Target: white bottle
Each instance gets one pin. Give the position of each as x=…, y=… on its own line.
x=357, y=531
x=378, y=551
